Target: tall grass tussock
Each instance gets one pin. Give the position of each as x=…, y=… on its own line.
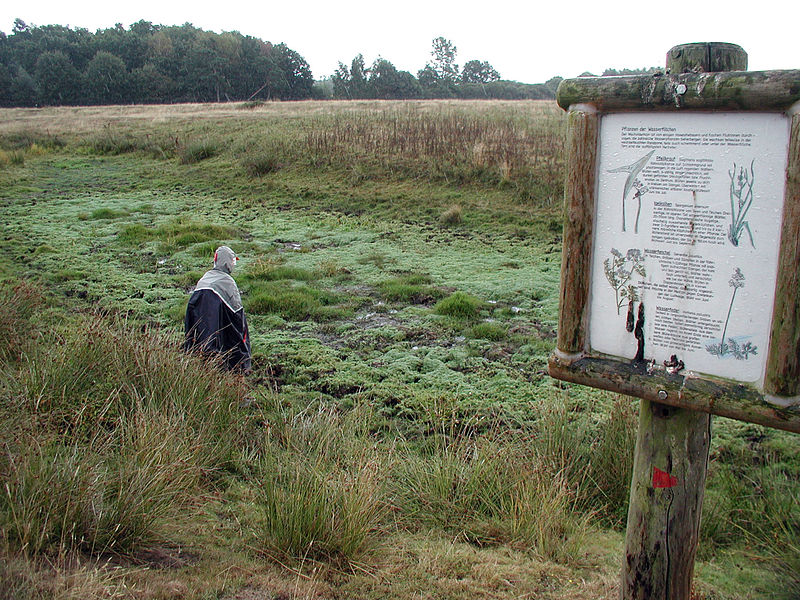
x=107, y=432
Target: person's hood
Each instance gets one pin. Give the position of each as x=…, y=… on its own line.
x=225, y=259
x=219, y=279
x=223, y=286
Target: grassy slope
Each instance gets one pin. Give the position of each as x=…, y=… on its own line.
x=370, y=258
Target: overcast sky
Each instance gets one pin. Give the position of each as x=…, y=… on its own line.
x=525, y=40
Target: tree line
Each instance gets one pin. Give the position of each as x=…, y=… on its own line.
x=146, y=63
x=440, y=78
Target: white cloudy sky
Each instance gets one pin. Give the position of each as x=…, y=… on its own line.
x=526, y=41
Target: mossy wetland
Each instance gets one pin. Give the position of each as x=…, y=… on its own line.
x=398, y=437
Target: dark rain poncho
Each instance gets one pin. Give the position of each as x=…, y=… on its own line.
x=215, y=320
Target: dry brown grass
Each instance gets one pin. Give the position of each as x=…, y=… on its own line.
x=81, y=120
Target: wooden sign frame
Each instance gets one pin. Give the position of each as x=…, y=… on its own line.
x=588, y=100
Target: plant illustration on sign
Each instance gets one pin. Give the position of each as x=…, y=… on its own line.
x=741, y=192
x=619, y=271
x=732, y=347
x=633, y=183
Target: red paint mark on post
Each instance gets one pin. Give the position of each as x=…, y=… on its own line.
x=662, y=479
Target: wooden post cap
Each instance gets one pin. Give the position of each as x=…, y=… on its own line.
x=706, y=57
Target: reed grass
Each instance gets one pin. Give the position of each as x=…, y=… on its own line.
x=459, y=305
x=108, y=431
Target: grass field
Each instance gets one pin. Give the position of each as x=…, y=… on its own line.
x=398, y=437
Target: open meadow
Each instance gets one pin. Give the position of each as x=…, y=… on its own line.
x=398, y=437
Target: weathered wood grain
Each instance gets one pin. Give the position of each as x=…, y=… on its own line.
x=717, y=397
x=579, y=192
x=737, y=90
x=668, y=483
x=706, y=57
x=783, y=362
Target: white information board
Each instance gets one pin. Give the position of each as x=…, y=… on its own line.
x=687, y=230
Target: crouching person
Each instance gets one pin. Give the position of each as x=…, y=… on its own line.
x=215, y=322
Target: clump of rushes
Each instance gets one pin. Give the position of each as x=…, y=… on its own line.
x=413, y=288
x=177, y=234
x=314, y=511
x=321, y=484
x=250, y=104
x=488, y=331
x=108, y=213
x=272, y=270
x=16, y=325
x=451, y=216
x=116, y=430
x=295, y=303
x=11, y=158
x=258, y=165
x=480, y=491
x=459, y=305
x=196, y=151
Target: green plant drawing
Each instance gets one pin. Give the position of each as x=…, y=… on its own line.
x=619, y=271
x=633, y=182
x=732, y=347
x=741, y=193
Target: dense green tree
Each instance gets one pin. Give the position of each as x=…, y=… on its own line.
x=148, y=85
x=6, y=81
x=57, y=79
x=130, y=46
x=291, y=73
x=386, y=82
x=205, y=71
x=358, y=77
x=341, y=82
x=476, y=71
x=504, y=90
x=351, y=83
x=23, y=88
x=107, y=79
x=146, y=63
x=427, y=76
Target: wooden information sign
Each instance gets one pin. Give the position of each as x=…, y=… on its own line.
x=682, y=241
x=680, y=280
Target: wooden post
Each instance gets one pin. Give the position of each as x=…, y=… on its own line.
x=579, y=214
x=669, y=476
x=709, y=57
x=783, y=366
x=671, y=460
